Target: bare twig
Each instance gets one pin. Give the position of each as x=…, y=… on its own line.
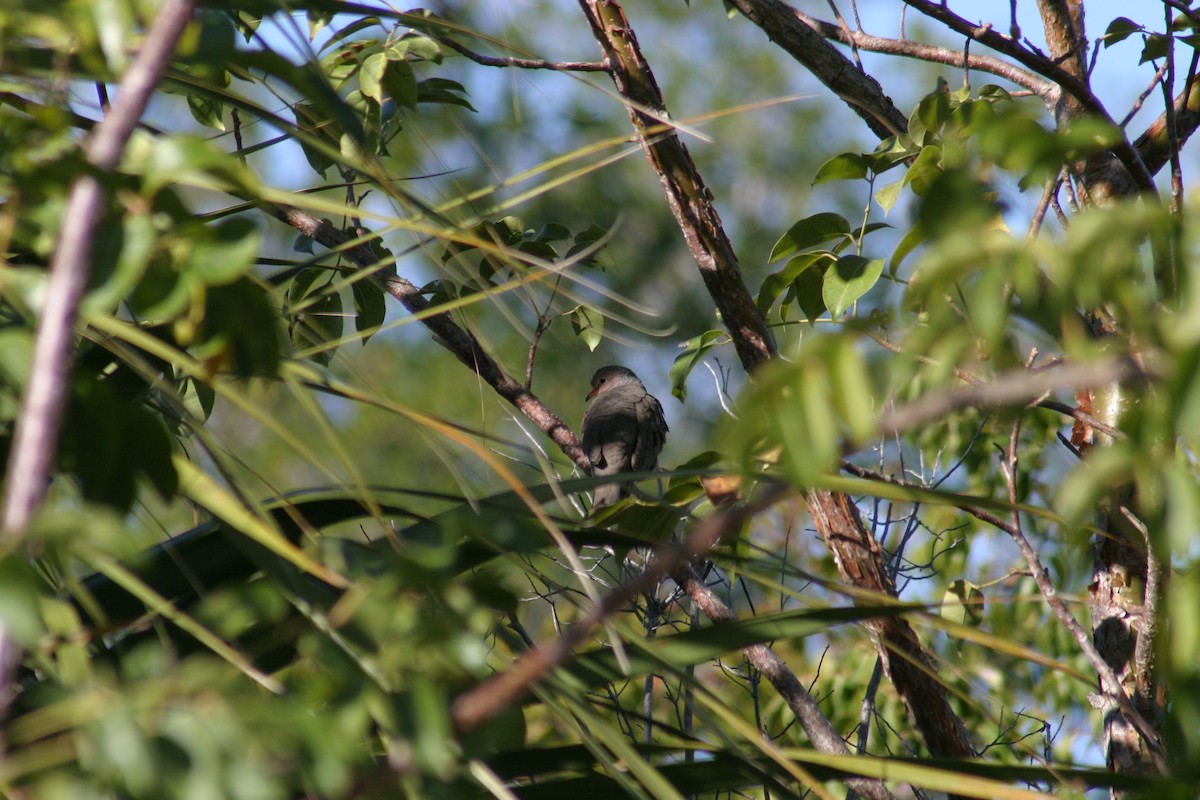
x=1046, y=67
x=1039, y=214
x=1145, y=655
x=1155, y=83
x=847, y=36
x=927, y=52
x=821, y=733
x=1154, y=144
x=1109, y=679
x=523, y=63
x=543, y=325
x=478, y=705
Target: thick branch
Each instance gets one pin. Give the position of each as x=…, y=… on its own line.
x=909, y=667
x=688, y=197
x=701, y=227
x=858, y=89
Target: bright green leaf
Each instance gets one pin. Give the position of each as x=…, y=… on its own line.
x=809, y=232
x=848, y=280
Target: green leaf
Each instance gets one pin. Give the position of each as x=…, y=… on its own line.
x=924, y=170
x=224, y=252
x=844, y=167
x=318, y=325
x=963, y=603
x=369, y=308
x=853, y=393
x=1155, y=48
x=441, y=90
x=848, y=280
x=370, y=77
x=207, y=110
x=887, y=196
x=400, y=83
x=808, y=293
x=809, y=232
x=1120, y=29
x=360, y=24
x=694, y=350
x=911, y=240
x=934, y=108
x=775, y=284
x=588, y=324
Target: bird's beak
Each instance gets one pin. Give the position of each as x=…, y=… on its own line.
x=591, y=394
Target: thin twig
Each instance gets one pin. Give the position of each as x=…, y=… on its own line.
x=821, y=733
x=524, y=63
x=1039, y=63
x=1155, y=83
x=476, y=706
x=1039, y=214
x=1145, y=656
x=907, y=48
x=1108, y=677
x=847, y=34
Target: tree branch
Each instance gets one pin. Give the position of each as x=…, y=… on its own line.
x=821, y=733
x=1154, y=145
x=448, y=333
x=1108, y=677
x=689, y=199
x=857, y=89
x=926, y=52
x=476, y=706
x=692, y=204
x=1016, y=387
x=35, y=439
x=859, y=559
x=523, y=63
x=1047, y=68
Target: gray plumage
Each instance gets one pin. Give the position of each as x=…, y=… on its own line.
x=623, y=429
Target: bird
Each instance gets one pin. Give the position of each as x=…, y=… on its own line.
x=623, y=429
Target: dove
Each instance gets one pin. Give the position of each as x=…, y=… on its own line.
x=623, y=429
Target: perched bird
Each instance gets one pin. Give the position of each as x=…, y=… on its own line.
x=623, y=429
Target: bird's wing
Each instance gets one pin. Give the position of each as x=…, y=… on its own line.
x=652, y=433
x=609, y=435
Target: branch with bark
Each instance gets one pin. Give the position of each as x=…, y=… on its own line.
x=912, y=673
x=856, y=88
x=920, y=51
x=459, y=341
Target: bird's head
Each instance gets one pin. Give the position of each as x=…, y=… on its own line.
x=610, y=377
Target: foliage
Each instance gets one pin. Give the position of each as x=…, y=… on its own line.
x=280, y=553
